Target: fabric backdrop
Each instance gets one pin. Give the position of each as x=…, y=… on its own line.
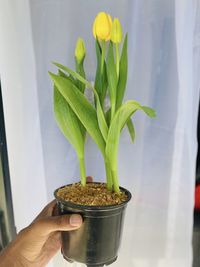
x=159, y=168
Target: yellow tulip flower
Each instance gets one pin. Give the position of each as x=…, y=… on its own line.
x=116, y=32
x=102, y=26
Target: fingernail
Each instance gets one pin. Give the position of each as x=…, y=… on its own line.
x=75, y=220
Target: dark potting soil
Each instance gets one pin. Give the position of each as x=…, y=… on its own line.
x=93, y=194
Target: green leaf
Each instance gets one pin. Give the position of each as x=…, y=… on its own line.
x=102, y=121
x=82, y=108
x=98, y=79
x=62, y=74
x=131, y=129
x=149, y=111
x=112, y=78
x=108, y=115
x=100, y=115
x=105, y=85
x=71, y=128
x=118, y=122
x=68, y=122
x=71, y=78
x=123, y=70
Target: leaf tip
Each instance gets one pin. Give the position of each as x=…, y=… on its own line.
x=52, y=75
x=154, y=114
x=55, y=63
x=149, y=111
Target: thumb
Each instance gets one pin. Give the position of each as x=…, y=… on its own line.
x=58, y=223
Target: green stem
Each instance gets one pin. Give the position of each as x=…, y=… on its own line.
x=112, y=111
x=117, y=59
x=82, y=170
x=103, y=55
x=108, y=177
x=80, y=70
x=115, y=181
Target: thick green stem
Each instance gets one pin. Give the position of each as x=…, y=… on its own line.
x=82, y=170
x=117, y=59
x=115, y=181
x=108, y=177
x=103, y=55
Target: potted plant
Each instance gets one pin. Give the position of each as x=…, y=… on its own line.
x=102, y=205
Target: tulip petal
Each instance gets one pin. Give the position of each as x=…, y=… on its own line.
x=102, y=26
x=116, y=33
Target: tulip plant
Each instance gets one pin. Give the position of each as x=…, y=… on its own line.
x=75, y=114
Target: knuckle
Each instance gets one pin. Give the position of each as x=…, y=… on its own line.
x=35, y=225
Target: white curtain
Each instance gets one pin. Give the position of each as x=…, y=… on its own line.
x=164, y=73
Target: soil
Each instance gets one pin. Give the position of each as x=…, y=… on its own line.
x=93, y=194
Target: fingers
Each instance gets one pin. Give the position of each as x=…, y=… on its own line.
x=48, y=225
x=67, y=222
x=89, y=179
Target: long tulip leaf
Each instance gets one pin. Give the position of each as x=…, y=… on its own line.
x=68, y=122
x=71, y=78
x=119, y=120
x=123, y=70
x=104, y=84
x=112, y=78
x=82, y=108
x=98, y=79
x=100, y=115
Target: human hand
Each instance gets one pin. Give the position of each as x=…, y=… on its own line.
x=35, y=245
x=38, y=243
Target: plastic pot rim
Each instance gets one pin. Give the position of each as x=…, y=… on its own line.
x=96, y=208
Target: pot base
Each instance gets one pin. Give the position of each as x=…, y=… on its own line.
x=91, y=265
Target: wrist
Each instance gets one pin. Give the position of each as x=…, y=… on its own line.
x=11, y=257
x=6, y=258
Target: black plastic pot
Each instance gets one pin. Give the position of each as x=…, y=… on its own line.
x=97, y=242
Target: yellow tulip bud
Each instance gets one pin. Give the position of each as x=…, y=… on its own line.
x=116, y=33
x=80, y=50
x=102, y=26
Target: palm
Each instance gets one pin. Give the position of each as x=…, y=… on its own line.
x=43, y=247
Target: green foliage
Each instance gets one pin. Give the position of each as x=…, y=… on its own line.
x=131, y=129
x=112, y=78
x=75, y=114
x=81, y=107
x=123, y=72
x=100, y=114
x=70, y=126
x=100, y=78
x=122, y=115
x=68, y=122
x=81, y=72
